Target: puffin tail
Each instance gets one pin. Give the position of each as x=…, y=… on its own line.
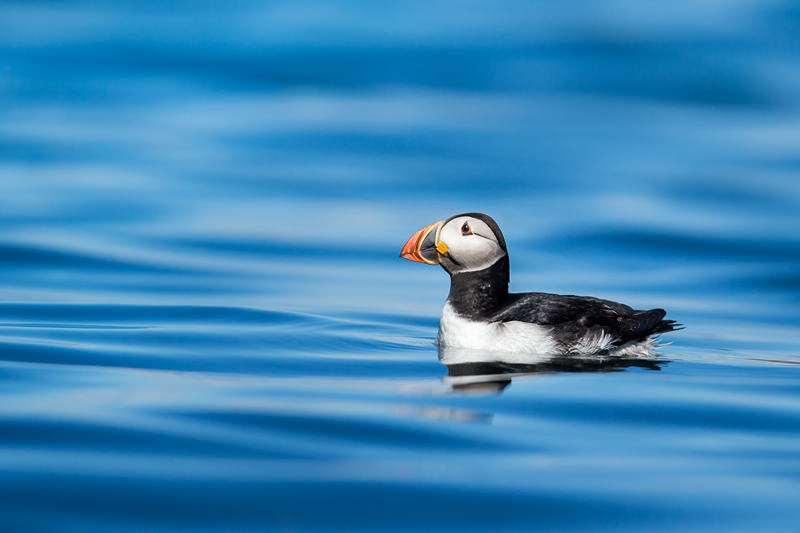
x=654, y=323
x=665, y=326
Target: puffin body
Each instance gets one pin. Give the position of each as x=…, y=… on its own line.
x=480, y=313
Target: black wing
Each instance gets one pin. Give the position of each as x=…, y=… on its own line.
x=572, y=317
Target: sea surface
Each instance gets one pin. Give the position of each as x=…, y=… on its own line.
x=205, y=325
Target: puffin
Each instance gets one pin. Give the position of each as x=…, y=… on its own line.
x=480, y=313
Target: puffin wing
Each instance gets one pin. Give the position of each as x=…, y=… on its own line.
x=573, y=317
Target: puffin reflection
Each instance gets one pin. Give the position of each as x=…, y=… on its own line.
x=485, y=372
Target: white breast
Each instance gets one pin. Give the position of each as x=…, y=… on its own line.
x=522, y=342
x=527, y=340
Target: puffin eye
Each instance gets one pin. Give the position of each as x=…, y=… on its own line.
x=465, y=229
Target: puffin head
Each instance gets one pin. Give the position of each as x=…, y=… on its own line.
x=462, y=243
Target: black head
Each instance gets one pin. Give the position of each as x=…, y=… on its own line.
x=467, y=242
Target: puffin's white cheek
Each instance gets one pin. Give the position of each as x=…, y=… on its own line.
x=475, y=253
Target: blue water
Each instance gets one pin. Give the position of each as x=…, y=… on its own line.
x=204, y=324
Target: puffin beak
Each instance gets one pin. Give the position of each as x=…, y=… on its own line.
x=421, y=247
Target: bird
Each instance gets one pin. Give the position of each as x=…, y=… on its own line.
x=481, y=314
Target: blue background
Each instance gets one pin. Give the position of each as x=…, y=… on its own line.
x=204, y=323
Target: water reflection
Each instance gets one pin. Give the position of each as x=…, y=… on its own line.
x=482, y=372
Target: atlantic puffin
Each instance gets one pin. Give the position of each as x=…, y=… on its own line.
x=480, y=313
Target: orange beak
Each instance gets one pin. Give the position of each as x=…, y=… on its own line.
x=421, y=247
